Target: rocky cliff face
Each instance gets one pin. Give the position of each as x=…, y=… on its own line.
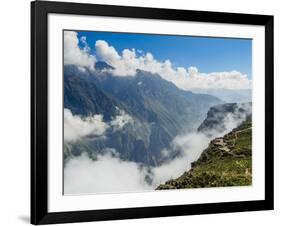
x=220, y=117
x=159, y=111
x=226, y=162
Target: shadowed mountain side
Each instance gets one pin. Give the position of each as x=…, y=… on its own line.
x=159, y=110
x=221, y=116
x=85, y=98
x=158, y=101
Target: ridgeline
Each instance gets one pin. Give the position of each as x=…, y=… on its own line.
x=226, y=162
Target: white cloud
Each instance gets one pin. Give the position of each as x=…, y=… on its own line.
x=109, y=173
x=76, y=127
x=73, y=54
x=121, y=120
x=193, y=79
x=128, y=62
x=86, y=47
x=106, y=52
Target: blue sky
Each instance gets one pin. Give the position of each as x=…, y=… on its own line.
x=207, y=54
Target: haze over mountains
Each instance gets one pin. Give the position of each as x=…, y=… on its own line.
x=228, y=95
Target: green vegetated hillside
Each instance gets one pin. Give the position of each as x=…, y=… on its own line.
x=226, y=162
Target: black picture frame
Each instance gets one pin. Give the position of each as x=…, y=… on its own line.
x=39, y=112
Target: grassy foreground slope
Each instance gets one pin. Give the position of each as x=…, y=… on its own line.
x=226, y=162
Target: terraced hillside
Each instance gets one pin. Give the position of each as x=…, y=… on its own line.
x=226, y=162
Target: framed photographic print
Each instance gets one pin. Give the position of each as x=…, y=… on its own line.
x=145, y=112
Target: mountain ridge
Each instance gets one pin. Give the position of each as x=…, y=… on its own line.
x=158, y=107
x=219, y=117
x=227, y=161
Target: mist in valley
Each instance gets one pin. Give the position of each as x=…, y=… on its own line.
x=108, y=173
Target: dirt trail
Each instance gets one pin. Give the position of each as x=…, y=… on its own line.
x=221, y=145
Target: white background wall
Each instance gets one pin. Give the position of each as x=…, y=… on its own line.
x=14, y=111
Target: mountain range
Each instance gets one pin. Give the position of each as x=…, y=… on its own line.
x=158, y=111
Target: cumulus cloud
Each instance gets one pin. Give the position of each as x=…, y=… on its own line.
x=73, y=54
x=76, y=127
x=86, y=47
x=129, y=61
x=106, y=52
x=193, y=79
x=108, y=173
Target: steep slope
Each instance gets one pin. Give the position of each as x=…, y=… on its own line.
x=221, y=116
x=158, y=101
x=159, y=109
x=85, y=98
x=226, y=162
